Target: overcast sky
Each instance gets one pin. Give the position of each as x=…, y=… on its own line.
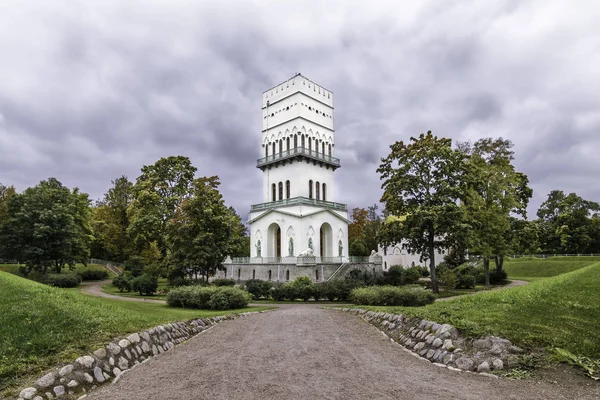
x=93, y=90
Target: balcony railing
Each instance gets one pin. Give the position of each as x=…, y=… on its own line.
x=299, y=201
x=298, y=260
x=298, y=151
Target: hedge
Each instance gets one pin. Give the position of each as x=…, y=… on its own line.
x=391, y=296
x=208, y=298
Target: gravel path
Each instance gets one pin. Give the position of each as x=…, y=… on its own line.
x=306, y=352
x=95, y=289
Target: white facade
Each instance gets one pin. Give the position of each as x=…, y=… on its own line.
x=396, y=255
x=297, y=148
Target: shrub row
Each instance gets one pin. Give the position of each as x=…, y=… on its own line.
x=145, y=285
x=391, y=296
x=208, y=298
x=63, y=280
x=93, y=275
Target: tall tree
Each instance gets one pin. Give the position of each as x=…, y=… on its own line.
x=494, y=191
x=158, y=193
x=6, y=193
x=566, y=224
x=203, y=231
x=111, y=220
x=422, y=186
x=356, y=233
x=48, y=227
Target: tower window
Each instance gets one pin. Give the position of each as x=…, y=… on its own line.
x=287, y=275
x=324, y=192
x=274, y=190
x=273, y=148
x=329, y=150
x=295, y=141
x=280, y=145
x=317, y=186
x=287, y=189
x=269, y=274
x=267, y=151
x=287, y=141
x=310, y=189
x=302, y=141
x=323, y=148
x=280, y=191
x=309, y=144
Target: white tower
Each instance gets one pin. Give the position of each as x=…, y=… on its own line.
x=299, y=209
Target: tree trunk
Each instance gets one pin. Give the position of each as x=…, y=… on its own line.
x=499, y=264
x=434, y=282
x=486, y=270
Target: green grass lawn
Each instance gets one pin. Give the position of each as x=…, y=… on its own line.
x=42, y=326
x=561, y=311
x=532, y=269
x=162, y=284
x=14, y=269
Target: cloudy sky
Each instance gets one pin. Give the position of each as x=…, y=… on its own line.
x=92, y=90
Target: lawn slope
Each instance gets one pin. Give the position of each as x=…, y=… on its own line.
x=531, y=269
x=561, y=311
x=41, y=326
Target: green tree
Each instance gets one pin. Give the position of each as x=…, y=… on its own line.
x=202, y=233
x=243, y=248
x=158, y=193
x=6, y=193
x=494, y=191
x=48, y=227
x=566, y=224
x=110, y=221
x=422, y=185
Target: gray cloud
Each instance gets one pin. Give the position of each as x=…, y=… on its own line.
x=91, y=92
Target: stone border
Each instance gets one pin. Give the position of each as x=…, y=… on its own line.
x=442, y=344
x=108, y=363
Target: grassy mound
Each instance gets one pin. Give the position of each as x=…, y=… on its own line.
x=531, y=269
x=560, y=311
x=41, y=326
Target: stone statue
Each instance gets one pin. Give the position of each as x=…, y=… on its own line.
x=306, y=253
x=258, y=249
x=291, y=248
x=310, y=244
x=373, y=253
x=340, y=249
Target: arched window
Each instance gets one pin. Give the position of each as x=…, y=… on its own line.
x=269, y=274
x=274, y=190
x=280, y=145
x=280, y=191
x=317, y=275
x=330, y=150
x=323, y=148
x=273, y=148
x=267, y=151
x=324, y=193
x=310, y=189
x=287, y=275
x=317, y=190
x=287, y=189
x=287, y=141
x=253, y=274
x=309, y=144
x=239, y=273
x=317, y=145
x=302, y=141
x=295, y=142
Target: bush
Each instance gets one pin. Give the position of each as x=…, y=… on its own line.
x=135, y=265
x=359, y=277
x=394, y=275
x=223, y=282
x=258, y=288
x=179, y=281
x=424, y=271
x=495, y=278
x=93, y=275
x=145, y=284
x=278, y=293
x=411, y=275
x=213, y=298
x=446, y=278
x=391, y=296
x=63, y=280
x=465, y=277
x=123, y=282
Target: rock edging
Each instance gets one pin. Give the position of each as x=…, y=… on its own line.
x=442, y=344
x=108, y=363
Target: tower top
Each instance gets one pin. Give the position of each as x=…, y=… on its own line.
x=297, y=84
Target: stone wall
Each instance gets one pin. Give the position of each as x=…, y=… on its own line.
x=442, y=344
x=107, y=363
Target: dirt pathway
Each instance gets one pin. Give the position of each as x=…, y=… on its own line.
x=95, y=289
x=306, y=352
